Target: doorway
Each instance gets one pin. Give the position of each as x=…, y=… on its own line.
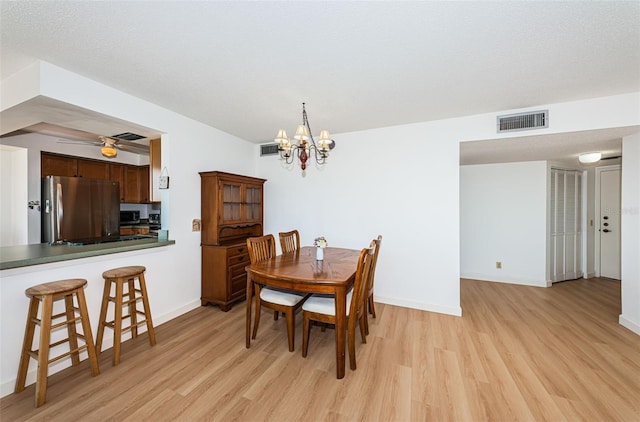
x=607, y=239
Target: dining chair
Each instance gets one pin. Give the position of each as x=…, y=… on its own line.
x=369, y=295
x=289, y=241
x=279, y=300
x=321, y=308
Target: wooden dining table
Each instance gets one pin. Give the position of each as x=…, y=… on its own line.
x=301, y=271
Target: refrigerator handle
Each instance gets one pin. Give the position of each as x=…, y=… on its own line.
x=59, y=211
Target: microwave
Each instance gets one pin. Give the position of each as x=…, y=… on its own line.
x=129, y=217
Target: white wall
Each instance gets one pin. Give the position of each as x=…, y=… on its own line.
x=503, y=217
x=630, y=198
x=13, y=196
x=368, y=189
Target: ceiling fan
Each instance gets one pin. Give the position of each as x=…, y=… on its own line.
x=109, y=145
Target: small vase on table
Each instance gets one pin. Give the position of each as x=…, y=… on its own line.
x=320, y=243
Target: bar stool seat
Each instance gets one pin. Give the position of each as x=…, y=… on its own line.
x=46, y=294
x=119, y=277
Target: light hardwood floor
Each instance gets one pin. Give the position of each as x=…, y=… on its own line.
x=518, y=353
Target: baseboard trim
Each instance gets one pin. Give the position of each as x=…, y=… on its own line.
x=8, y=386
x=508, y=280
x=628, y=324
x=429, y=307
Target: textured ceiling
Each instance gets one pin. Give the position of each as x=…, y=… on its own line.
x=246, y=67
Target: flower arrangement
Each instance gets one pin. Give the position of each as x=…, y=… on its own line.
x=320, y=242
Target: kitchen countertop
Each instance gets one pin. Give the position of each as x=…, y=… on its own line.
x=43, y=253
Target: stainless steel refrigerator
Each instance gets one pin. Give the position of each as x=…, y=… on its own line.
x=78, y=210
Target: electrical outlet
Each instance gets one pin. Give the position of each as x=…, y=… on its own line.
x=195, y=225
x=499, y=265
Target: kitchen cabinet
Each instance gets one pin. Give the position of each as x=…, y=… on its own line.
x=63, y=165
x=155, y=169
x=58, y=165
x=144, y=184
x=132, y=230
x=231, y=211
x=136, y=184
x=134, y=180
x=116, y=173
x=93, y=169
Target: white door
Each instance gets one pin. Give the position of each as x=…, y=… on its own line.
x=609, y=229
x=565, y=198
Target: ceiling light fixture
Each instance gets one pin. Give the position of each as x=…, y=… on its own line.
x=108, y=150
x=306, y=144
x=590, y=158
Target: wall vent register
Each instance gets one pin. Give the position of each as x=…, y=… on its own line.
x=523, y=121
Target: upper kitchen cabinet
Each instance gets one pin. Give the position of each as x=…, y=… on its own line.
x=58, y=165
x=231, y=207
x=136, y=184
x=63, y=165
x=134, y=180
x=116, y=173
x=155, y=158
x=93, y=169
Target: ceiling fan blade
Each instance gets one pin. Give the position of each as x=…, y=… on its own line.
x=132, y=147
x=79, y=142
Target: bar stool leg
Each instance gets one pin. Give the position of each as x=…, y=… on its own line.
x=27, y=344
x=147, y=309
x=133, y=314
x=43, y=352
x=102, y=322
x=86, y=328
x=117, y=324
x=71, y=329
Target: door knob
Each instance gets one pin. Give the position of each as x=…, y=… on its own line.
x=606, y=230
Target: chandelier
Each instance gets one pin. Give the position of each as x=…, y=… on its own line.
x=306, y=145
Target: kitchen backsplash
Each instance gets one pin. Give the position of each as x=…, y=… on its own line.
x=145, y=209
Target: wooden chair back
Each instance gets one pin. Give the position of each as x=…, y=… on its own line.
x=261, y=248
x=289, y=241
x=363, y=272
x=377, y=242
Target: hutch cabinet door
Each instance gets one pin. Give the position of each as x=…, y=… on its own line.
x=253, y=203
x=231, y=200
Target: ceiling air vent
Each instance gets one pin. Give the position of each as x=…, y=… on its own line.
x=128, y=136
x=268, y=149
x=523, y=121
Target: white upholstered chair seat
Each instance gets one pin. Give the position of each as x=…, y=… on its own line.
x=324, y=304
x=281, y=296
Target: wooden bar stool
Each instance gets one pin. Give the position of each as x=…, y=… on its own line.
x=119, y=277
x=46, y=294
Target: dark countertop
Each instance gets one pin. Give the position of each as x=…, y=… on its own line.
x=43, y=253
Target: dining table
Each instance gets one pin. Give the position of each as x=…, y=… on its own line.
x=302, y=272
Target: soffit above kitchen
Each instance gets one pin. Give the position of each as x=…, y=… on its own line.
x=62, y=121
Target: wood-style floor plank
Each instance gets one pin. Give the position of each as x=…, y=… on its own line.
x=518, y=353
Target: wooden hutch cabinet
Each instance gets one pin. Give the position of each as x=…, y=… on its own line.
x=231, y=212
